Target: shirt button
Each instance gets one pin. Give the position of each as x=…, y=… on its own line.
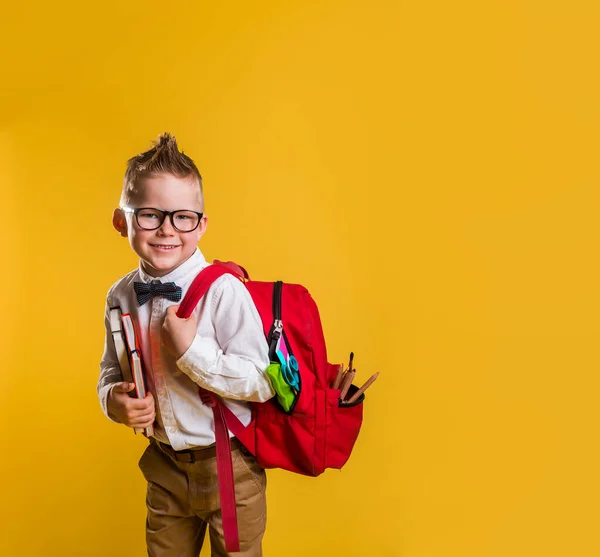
x=172, y=430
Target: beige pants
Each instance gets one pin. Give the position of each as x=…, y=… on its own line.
x=183, y=498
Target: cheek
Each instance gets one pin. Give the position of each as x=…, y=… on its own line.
x=137, y=237
x=192, y=238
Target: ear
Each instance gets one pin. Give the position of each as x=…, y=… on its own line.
x=202, y=227
x=120, y=222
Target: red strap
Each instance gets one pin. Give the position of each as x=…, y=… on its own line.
x=225, y=475
x=237, y=269
x=242, y=432
x=224, y=417
x=226, y=482
x=199, y=286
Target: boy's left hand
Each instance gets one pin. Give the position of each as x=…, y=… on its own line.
x=178, y=334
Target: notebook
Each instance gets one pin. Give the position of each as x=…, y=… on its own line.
x=130, y=356
x=119, y=339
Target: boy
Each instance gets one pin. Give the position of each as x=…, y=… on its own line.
x=221, y=347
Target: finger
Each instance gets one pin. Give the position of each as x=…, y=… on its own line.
x=143, y=422
x=139, y=421
x=141, y=414
x=172, y=311
x=123, y=387
x=138, y=404
x=133, y=415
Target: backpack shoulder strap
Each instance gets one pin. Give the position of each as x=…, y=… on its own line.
x=238, y=269
x=200, y=285
x=221, y=414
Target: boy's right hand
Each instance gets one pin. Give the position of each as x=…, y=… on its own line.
x=133, y=412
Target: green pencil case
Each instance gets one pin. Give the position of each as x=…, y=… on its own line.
x=285, y=394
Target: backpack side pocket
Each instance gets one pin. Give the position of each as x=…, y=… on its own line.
x=343, y=426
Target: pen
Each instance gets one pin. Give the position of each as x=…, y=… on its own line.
x=338, y=377
x=343, y=376
x=347, y=382
x=360, y=391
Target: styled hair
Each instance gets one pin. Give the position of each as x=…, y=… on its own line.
x=163, y=158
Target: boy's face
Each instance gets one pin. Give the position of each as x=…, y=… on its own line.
x=162, y=250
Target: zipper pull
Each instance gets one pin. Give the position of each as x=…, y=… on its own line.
x=274, y=339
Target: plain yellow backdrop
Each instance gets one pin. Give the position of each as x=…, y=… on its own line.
x=429, y=170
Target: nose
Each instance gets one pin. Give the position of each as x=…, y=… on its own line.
x=166, y=228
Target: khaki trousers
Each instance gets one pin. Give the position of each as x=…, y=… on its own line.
x=183, y=499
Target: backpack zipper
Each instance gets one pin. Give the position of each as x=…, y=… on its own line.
x=277, y=327
x=277, y=288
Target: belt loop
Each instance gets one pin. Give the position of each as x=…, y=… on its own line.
x=192, y=457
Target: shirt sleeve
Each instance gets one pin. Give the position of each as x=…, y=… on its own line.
x=110, y=372
x=235, y=368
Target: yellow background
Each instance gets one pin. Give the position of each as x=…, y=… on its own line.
x=429, y=170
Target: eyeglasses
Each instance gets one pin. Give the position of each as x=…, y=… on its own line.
x=149, y=218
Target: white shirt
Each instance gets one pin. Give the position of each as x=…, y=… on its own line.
x=228, y=356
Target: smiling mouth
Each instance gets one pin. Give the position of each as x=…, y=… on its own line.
x=163, y=246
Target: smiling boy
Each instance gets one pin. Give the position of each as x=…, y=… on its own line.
x=221, y=347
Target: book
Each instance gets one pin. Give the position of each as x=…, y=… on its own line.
x=116, y=329
x=130, y=356
x=135, y=362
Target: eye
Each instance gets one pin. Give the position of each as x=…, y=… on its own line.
x=185, y=216
x=148, y=215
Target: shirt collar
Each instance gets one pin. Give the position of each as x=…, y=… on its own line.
x=193, y=265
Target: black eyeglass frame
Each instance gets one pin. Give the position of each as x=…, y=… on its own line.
x=136, y=210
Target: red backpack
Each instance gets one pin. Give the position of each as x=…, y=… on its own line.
x=317, y=432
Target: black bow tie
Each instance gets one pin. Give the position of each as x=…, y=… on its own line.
x=147, y=291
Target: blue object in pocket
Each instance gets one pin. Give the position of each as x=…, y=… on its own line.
x=290, y=372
